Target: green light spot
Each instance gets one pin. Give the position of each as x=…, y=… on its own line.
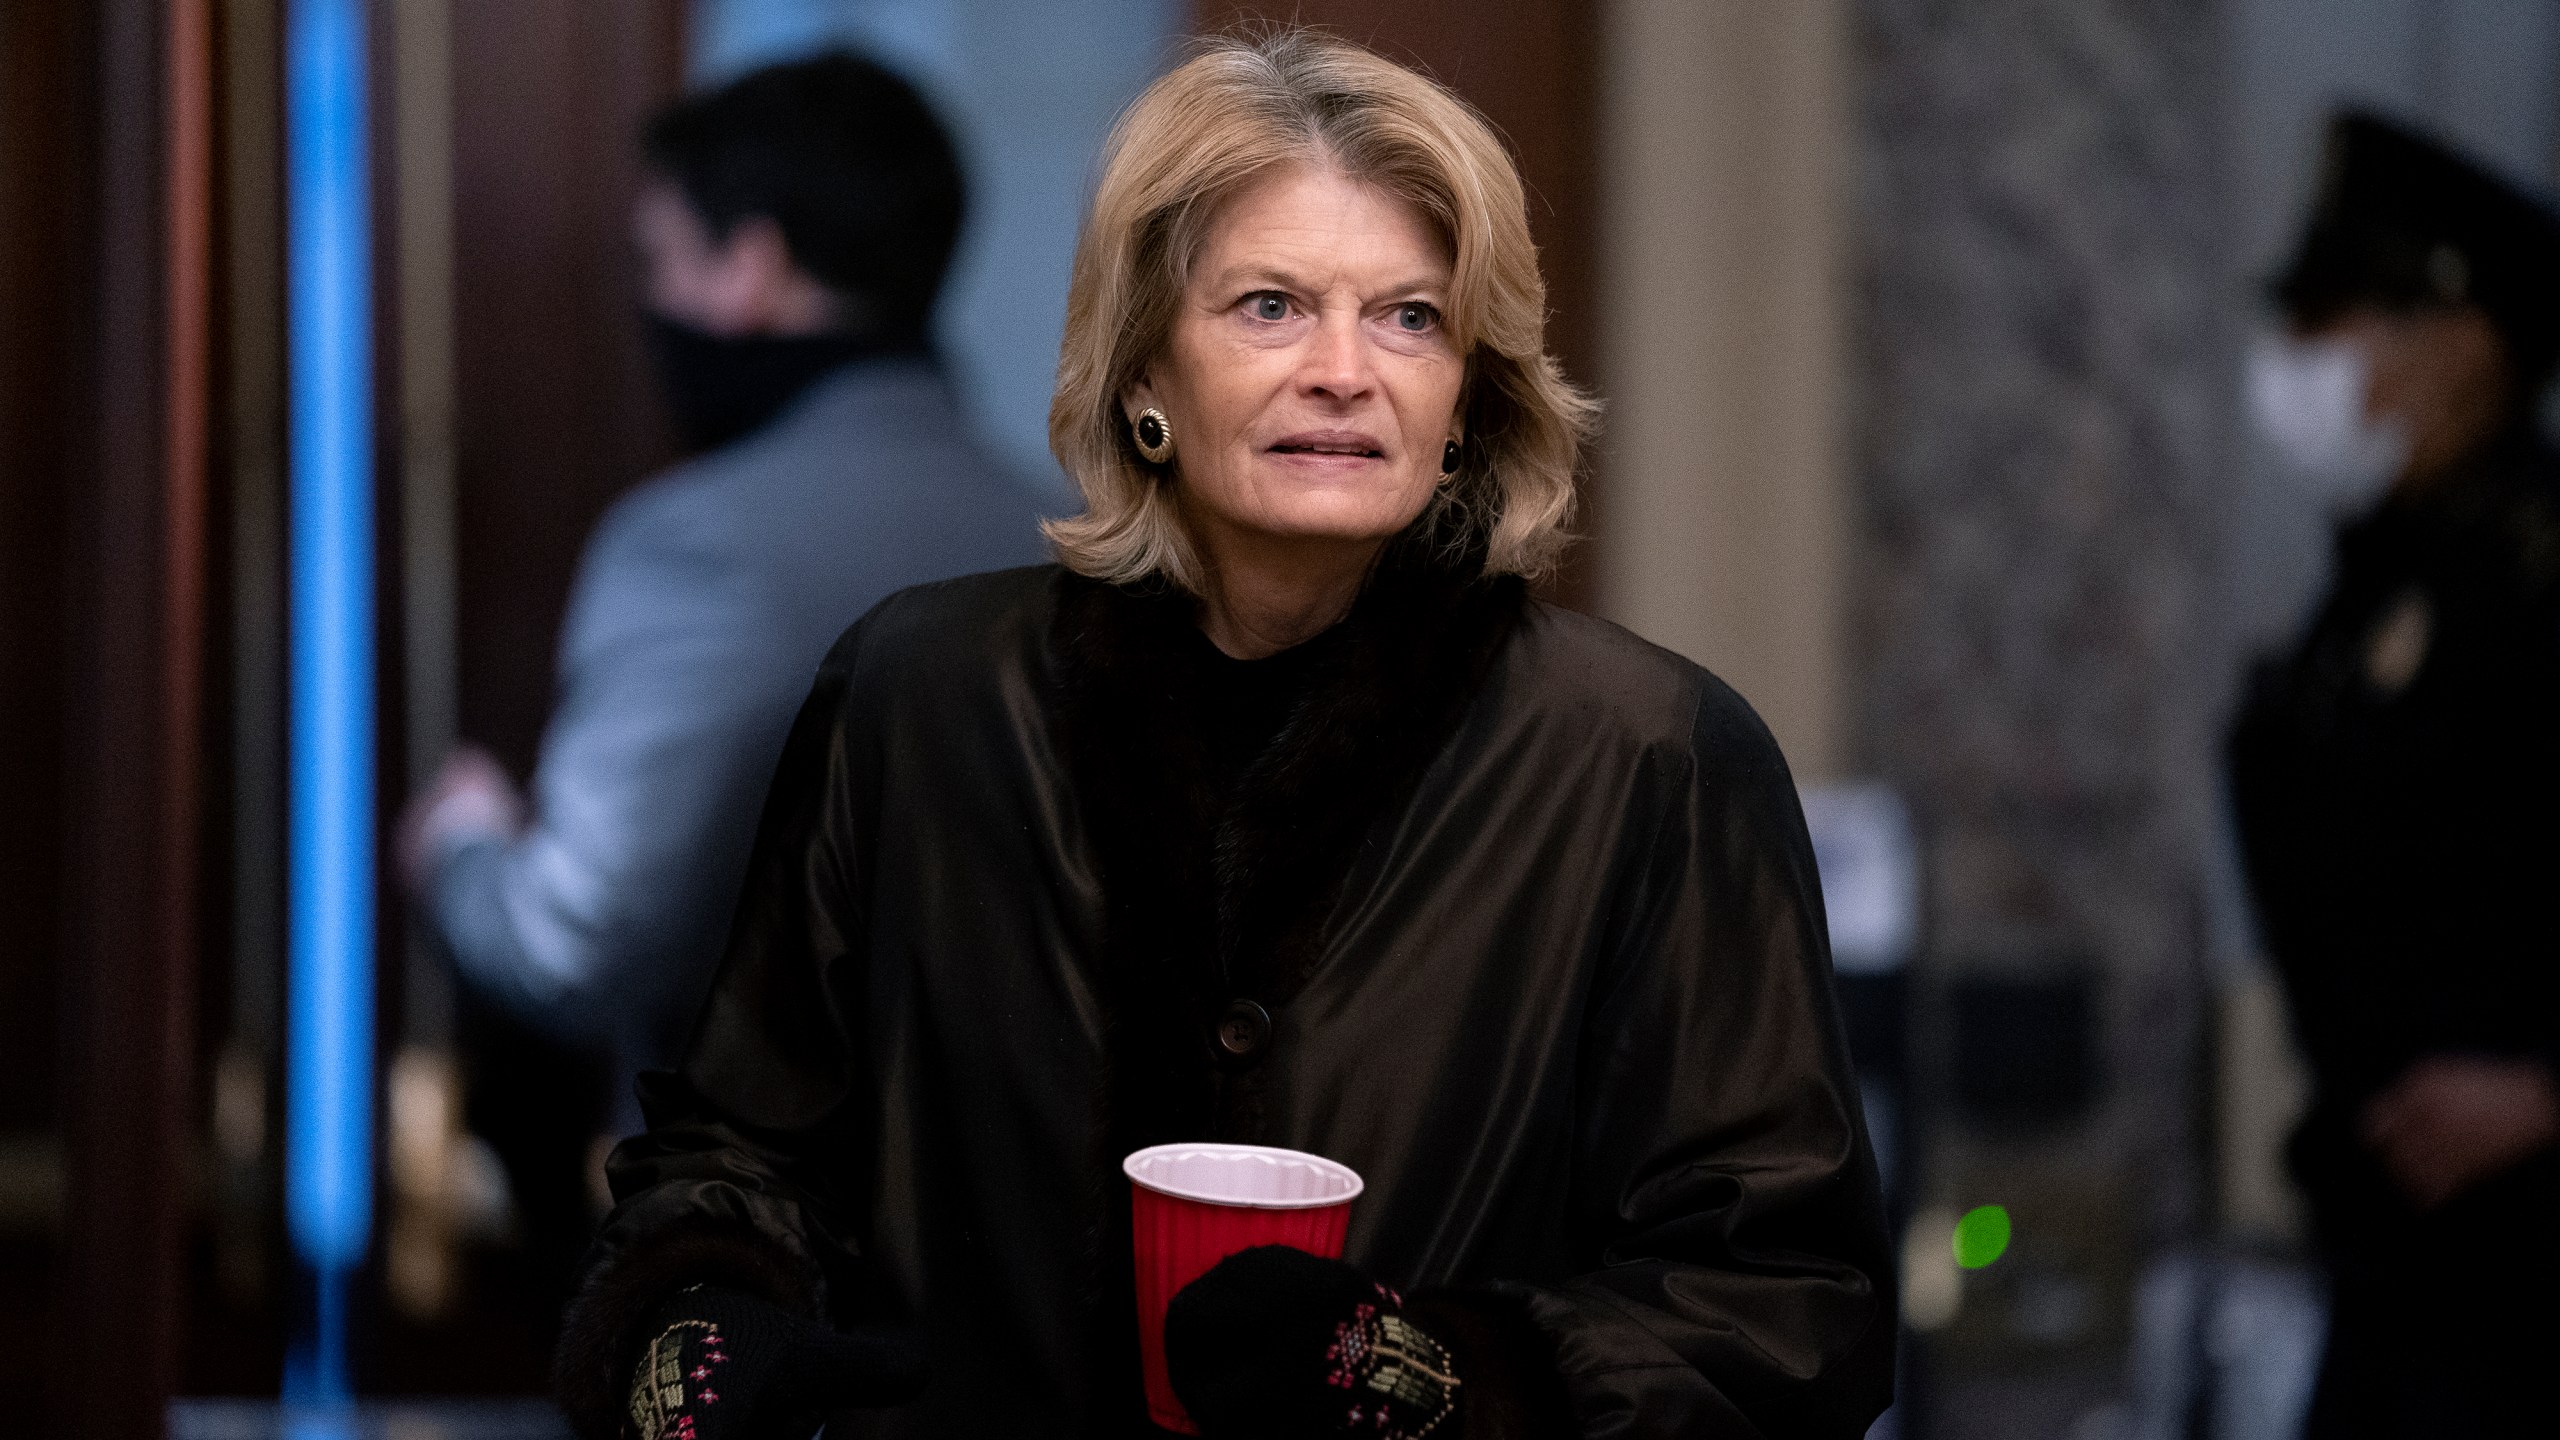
x=1982, y=1236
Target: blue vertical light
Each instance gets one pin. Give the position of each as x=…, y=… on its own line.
x=329, y=1007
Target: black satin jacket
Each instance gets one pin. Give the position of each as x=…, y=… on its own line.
x=1529, y=904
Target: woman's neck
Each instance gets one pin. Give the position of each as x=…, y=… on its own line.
x=1265, y=594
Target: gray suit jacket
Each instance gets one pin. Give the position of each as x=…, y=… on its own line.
x=703, y=604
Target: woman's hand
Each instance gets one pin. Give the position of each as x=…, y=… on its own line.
x=2452, y=1121
x=1278, y=1344
x=723, y=1365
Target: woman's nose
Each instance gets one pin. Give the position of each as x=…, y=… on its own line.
x=1337, y=363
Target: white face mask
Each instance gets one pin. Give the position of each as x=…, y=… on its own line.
x=2308, y=399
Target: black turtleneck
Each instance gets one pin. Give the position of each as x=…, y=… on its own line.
x=1246, y=702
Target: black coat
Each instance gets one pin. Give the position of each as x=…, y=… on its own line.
x=1529, y=903
x=2397, y=784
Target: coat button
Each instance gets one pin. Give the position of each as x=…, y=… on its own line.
x=1244, y=1029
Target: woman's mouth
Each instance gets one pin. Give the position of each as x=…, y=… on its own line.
x=1342, y=444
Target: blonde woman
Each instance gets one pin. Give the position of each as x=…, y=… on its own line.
x=1275, y=812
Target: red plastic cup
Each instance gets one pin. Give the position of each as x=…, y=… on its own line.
x=1193, y=1205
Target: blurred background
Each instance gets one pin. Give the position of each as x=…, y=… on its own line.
x=1920, y=327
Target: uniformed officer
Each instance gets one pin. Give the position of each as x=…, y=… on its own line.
x=2397, y=783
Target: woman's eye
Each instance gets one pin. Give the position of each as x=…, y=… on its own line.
x=1416, y=317
x=1270, y=307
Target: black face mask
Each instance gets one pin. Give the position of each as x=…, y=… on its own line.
x=720, y=388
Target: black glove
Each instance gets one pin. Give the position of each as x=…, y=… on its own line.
x=723, y=1365
x=1278, y=1344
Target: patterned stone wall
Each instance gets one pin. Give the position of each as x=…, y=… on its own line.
x=2042, y=447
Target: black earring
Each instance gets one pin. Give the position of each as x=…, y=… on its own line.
x=1154, y=435
x=1449, y=458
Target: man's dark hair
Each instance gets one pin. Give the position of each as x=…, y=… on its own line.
x=841, y=154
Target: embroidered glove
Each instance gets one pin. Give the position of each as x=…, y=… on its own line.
x=723, y=1365
x=1278, y=1344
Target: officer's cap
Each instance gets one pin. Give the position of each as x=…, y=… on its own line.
x=2402, y=220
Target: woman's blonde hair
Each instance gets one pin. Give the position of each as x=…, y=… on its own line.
x=1241, y=107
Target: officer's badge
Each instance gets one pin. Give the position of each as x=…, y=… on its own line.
x=2395, y=649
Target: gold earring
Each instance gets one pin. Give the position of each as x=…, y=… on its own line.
x=1154, y=435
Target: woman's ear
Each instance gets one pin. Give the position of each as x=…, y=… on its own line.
x=1136, y=398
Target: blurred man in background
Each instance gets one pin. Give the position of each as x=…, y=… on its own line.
x=795, y=227
x=2397, y=781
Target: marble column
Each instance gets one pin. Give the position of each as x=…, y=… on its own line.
x=2042, y=444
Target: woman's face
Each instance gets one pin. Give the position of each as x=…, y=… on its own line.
x=1309, y=379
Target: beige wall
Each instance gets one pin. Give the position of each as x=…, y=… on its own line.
x=1725, y=147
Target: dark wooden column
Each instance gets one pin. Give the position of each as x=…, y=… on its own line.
x=47, y=160
x=46, y=152
x=555, y=411
x=1531, y=66
x=136, y=594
